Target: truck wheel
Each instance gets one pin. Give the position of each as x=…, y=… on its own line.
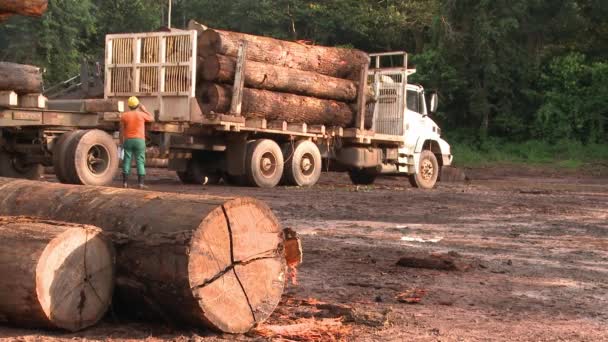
x=362, y=177
x=184, y=177
x=427, y=173
x=60, y=148
x=264, y=163
x=302, y=163
x=12, y=166
x=92, y=158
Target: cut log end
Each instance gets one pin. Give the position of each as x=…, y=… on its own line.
x=211, y=68
x=210, y=43
x=75, y=278
x=237, y=265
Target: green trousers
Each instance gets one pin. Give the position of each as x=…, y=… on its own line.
x=137, y=148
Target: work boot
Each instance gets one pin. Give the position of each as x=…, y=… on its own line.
x=140, y=182
x=125, y=180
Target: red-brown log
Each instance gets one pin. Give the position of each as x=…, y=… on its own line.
x=199, y=260
x=54, y=274
x=33, y=8
x=271, y=77
x=330, y=61
x=20, y=78
x=278, y=106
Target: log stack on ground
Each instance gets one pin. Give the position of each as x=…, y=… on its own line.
x=283, y=80
x=20, y=78
x=54, y=275
x=198, y=260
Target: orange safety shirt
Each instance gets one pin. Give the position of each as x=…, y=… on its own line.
x=133, y=124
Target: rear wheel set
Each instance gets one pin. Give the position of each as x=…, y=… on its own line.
x=88, y=157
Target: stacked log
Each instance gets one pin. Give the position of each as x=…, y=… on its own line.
x=20, y=78
x=32, y=8
x=279, y=106
x=199, y=260
x=54, y=274
x=283, y=80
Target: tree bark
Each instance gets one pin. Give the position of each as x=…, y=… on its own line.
x=20, y=78
x=278, y=106
x=54, y=275
x=199, y=260
x=272, y=77
x=330, y=61
x=33, y=8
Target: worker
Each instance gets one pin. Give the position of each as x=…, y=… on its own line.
x=133, y=140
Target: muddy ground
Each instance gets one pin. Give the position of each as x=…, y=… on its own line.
x=536, y=241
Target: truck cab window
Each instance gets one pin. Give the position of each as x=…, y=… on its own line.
x=412, y=101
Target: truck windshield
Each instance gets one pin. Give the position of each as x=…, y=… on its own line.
x=412, y=101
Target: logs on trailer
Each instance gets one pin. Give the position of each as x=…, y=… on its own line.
x=20, y=78
x=201, y=260
x=330, y=61
x=33, y=8
x=278, y=106
x=54, y=275
x=271, y=77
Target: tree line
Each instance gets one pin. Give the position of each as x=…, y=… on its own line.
x=518, y=69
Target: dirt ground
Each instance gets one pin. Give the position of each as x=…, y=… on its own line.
x=536, y=239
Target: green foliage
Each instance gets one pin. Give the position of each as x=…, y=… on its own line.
x=575, y=101
x=563, y=153
x=506, y=69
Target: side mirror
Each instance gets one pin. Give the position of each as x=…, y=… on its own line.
x=434, y=103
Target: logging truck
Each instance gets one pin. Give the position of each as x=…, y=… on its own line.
x=391, y=132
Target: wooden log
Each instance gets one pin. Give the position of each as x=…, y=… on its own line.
x=54, y=275
x=199, y=260
x=278, y=106
x=87, y=105
x=20, y=78
x=330, y=61
x=198, y=27
x=33, y=8
x=271, y=77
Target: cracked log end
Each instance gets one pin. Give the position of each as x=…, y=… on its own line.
x=237, y=265
x=61, y=275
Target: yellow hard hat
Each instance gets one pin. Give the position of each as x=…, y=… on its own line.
x=133, y=102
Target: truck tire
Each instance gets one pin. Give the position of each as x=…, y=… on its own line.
x=11, y=166
x=362, y=176
x=427, y=173
x=264, y=163
x=60, y=148
x=92, y=158
x=303, y=163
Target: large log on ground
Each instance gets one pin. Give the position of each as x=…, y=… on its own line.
x=54, y=275
x=199, y=260
x=330, y=61
x=20, y=78
x=34, y=8
x=278, y=106
x=271, y=77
